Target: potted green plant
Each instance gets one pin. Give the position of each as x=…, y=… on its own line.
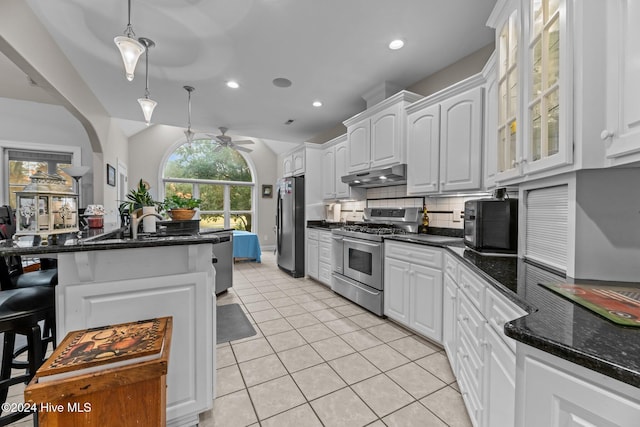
x=140, y=198
x=181, y=206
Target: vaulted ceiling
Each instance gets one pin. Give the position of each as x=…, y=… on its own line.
x=331, y=50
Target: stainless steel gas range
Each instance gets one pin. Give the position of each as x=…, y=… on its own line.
x=358, y=254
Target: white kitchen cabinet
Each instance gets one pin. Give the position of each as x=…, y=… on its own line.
x=499, y=381
x=299, y=162
x=334, y=167
x=481, y=356
x=396, y=292
x=387, y=136
x=312, y=254
x=425, y=304
x=555, y=392
x=450, y=310
x=444, y=140
x=293, y=163
x=503, y=143
x=461, y=141
x=287, y=165
x=500, y=361
x=324, y=257
x=490, y=151
x=376, y=137
x=413, y=290
x=552, y=64
x=359, y=146
x=423, y=150
x=622, y=132
x=329, y=175
x=318, y=253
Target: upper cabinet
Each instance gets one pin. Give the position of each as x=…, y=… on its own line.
x=334, y=167
x=553, y=70
x=376, y=137
x=444, y=140
x=548, y=89
x=534, y=121
x=621, y=134
x=293, y=163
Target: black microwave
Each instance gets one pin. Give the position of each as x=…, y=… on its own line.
x=491, y=225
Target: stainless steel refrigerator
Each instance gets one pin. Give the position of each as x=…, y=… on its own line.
x=290, y=225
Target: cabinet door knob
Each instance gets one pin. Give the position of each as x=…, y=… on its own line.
x=606, y=134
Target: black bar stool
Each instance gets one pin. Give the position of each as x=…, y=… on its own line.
x=21, y=310
x=26, y=300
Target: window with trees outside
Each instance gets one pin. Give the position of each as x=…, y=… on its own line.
x=24, y=163
x=219, y=176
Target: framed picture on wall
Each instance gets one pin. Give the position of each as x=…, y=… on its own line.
x=111, y=175
x=267, y=191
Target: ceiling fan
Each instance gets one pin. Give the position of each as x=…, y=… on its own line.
x=225, y=141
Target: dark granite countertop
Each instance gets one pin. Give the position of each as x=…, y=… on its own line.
x=554, y=324
x=98, y=240
x=323, y=225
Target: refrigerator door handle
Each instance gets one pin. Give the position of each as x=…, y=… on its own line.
x=279, y=222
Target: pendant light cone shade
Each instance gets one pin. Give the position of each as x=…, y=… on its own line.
x=189, y=133
x=147, y=103
x=129, y=47
x=147, y=106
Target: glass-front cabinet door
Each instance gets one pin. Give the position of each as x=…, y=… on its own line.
x=548, y=138
x=508, y=98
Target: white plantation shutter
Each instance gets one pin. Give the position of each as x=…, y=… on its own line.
x=547, y=226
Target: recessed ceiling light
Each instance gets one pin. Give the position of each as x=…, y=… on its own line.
x=396, y=44
x=233, y=84
x=317, y=103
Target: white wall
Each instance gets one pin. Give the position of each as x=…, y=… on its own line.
x=32, y=122
x=148, y=148
x=46, y=124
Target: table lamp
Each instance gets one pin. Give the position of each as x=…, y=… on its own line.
x=77, y=172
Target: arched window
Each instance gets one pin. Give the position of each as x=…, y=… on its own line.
x=220, y=176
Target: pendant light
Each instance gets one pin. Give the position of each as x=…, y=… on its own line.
x=130, y=48
x=189, y=133
x=147, y=103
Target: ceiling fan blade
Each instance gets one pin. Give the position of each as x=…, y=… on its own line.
x=245, y=149
x=244, y=141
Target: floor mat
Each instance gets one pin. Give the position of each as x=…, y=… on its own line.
x=232, y=323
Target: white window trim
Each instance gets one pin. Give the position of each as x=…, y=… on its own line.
x=75, y=151
x=245, y=156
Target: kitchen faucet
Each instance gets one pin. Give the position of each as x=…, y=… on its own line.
x=137, y=216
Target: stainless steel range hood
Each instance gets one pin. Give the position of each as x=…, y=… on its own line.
x=393, y=175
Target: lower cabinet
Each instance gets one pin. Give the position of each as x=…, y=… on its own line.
x=499, y=381
x=555, y=392
x=312, y=254
x=318, y=253
x=413, y=294
x=449, y=322
x=481, y=356
x=324, y=257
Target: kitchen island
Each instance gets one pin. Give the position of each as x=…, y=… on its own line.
x=106, y=279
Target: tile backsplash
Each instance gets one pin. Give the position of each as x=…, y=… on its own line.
x=444, y=212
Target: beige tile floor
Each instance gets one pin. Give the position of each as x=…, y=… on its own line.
x=319, y=360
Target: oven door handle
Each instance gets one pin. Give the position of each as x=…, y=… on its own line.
x=361, y=242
